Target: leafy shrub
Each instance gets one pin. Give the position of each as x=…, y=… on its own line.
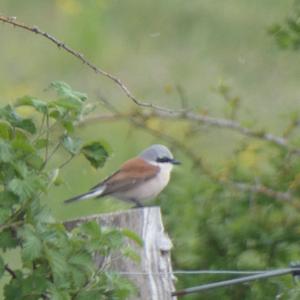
x=55, y=263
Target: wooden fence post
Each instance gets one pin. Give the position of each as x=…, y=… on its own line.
x=153, y=275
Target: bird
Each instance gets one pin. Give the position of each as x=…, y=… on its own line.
x=138, y=179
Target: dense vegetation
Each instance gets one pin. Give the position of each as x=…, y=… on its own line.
x=55, y=263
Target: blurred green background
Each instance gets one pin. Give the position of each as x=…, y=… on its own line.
x=155, y=46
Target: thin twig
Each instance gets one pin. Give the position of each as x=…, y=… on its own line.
x=47, y=137
x=10, y=271
x=55, y=149
x=41, y=127
x=80, y=56
x=7, y=225
x=221, y=123
x=66, y=162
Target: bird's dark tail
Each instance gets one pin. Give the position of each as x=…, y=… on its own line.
x=88, y=195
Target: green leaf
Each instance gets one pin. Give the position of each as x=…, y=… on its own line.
x=91, y=294
x=32, y=245
x=4, y=214
x=81, y=259
x=22, y=147
x=133, y=236
x=21, y=188
x=7, y=199
x=96, y=153
x=92, y=232
x=34, y=161
x=35, y=284
x=113, y=238
x=92, y=228
x=7, y=240
x=10, y=115
x=27, y=125
x=21, y=168
x=41, y=214
x=57, y=112
x=2, y=269
x=7, y=173
x=39, y=105
x=6, y=152
x=5, y=130
x=69, y=99
x=72, y=145
x=79, y=277
x=68, y=125
x=69, y=103
x=13, y=290
x=64, y=90
x=26, y=188
x=294, y=25
x=130, y=253
x=20, y=134
x=57, y=294
x=58, y=265
x=121, y=288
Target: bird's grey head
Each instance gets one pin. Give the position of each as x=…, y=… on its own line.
x=159, y=154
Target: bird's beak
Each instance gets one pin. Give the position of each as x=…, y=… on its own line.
x=175, y=162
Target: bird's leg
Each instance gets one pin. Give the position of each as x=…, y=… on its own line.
x=136, y=202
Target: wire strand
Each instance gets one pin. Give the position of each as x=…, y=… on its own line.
x=195, y=272
x=213, y=285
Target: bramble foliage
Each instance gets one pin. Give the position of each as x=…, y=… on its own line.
x=55, y=263
x=287, y=34
x=228, y=228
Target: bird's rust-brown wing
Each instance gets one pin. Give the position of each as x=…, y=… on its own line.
x=133, y=171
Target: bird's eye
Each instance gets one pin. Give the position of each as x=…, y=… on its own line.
x=163, y=159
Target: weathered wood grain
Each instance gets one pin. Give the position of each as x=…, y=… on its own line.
x=153, y=274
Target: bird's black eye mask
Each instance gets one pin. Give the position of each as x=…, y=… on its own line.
x=167, y=160
x=163, y=159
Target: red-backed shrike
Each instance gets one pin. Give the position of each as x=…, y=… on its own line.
x=138, y=179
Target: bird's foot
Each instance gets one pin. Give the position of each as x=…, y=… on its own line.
x=137, y=203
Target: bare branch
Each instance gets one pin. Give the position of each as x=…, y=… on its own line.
x=198, y=118
x=221, y=123
x=158, y=111
x=80, y=56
